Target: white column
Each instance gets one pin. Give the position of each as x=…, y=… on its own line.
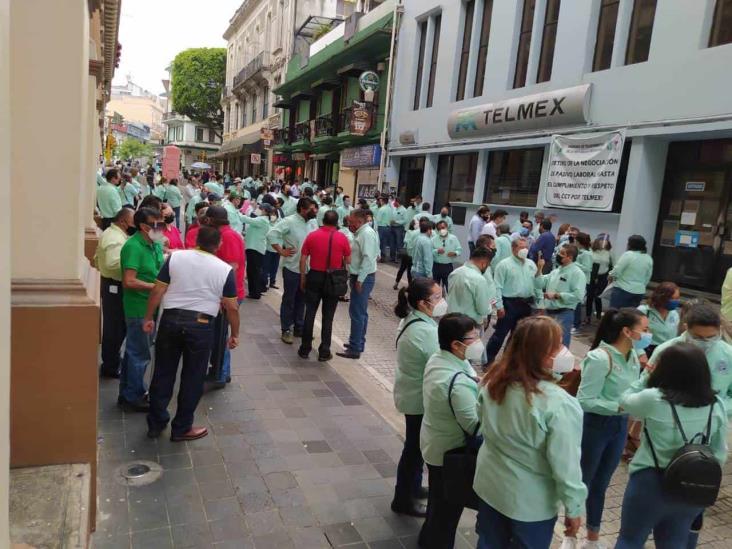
x=429, y=179
x=474, y=45
x=622, y=30
x=537, y=35
x=427, y=62
x=480, y=174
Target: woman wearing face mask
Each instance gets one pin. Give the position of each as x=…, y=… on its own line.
x=406, y=258
x=446, y=248
x=171, y=232
x=662, y=311
x=607, y=372
x=529, y=463
x=444, y=428
x=416, y=342
x=602, y=264
x=632, y=274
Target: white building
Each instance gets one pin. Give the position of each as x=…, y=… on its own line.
x=660, y=70
x=262, y=36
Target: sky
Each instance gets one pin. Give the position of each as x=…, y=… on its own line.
x=152, y=32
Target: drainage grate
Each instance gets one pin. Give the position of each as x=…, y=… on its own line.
x=138, y=473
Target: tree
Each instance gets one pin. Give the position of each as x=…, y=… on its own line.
x=197, y=80
x=132, y=149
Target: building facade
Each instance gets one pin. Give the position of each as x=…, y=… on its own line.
x=48, y=289
x=139, y=107
x=474, y=117
x=262, y=37
x=333, y=104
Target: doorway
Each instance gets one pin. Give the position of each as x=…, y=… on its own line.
x=694, y=232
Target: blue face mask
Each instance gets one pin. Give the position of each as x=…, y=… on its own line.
x=673, y=304
x=524, y=231
x=645, y=340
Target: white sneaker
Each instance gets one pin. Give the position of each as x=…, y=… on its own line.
x=587, y=544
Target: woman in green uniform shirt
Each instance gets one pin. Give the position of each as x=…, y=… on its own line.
x=444, y=428
x=631, y=275
x=608, y=371
x=662, y=313
x=680, y=380
x=529, y=463
x=416, y=342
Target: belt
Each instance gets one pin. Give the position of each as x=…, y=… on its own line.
x=187, y=314
x=557, y=311
x=528, y=300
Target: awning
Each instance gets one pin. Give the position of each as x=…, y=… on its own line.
x=235, y=145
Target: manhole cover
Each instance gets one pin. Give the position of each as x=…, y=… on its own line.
x=137, y=470
x=138, y=473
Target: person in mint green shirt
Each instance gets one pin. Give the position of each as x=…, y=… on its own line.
x=382, y=221
x=446, y=248
x=231, y=204
x=130, y=191
x=562, y=290
x=469, y=290
x=286, y=238
x=450, y=419
x=703, y=329
x=584, y=262
x=443, y=216
x=215, y=187
x=422, y=256
x=680, y=381
x=528, y=466
x=399, y=221
x=344, y=210
x=503, y=244
x=326, y=206
x=160, y=188
x=416, y=342
x=631, y=274
x=257, y=225
x=109, y=201
x=608, y=370
x=662, y=311
x=406, y=260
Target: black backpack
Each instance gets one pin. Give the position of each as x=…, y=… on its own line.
x=693, y=475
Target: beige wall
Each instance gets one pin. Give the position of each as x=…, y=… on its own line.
x=4, y=274
x=138, y=109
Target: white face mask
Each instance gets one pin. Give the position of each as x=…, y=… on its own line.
x=523, y=253
x=440, y=308
x=443, y=232
x=474, y=351
x=156, y=236
x=563, y=362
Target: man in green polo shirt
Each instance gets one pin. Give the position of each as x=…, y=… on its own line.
x=109, y=200
x=141, y=260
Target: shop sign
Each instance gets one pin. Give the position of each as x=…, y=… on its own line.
x=281, y=159
x=266, y=134
x=695, y=186
x=369, y=81
x=299, y=156
x=255, y=158
x=552, y=109
x=361, y=119
x=408, y=138
x=687, y=239
x=583, y=171
x=367, y=156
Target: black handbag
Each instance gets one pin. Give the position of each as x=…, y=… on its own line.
x=458, y=466
x=336, y=280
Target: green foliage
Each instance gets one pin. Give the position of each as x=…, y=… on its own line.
x=132, y=149
x=197, y=80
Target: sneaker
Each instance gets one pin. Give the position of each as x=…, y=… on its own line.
x=574, y=331
x=287, y=337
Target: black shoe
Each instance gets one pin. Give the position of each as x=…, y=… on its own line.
x=110, y=374
x=325, y=358
x=344, y=299
x=154, y=433
x=303, y=353
x=349, y=354
x=274, y=286
x=413, y=509
x=297, y=333
x=422, y=493
x=213, y=386
x=264, y=290
x=396, y=286
x=140, y=405
x=253, y=297
x=228, y=379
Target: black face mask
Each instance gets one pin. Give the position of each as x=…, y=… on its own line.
x=558, y=261
x=169, y=219
x=571, y=239
x=131, y=230
x=311, y=215
x=491, y=252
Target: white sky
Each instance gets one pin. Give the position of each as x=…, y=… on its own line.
x=152, y=32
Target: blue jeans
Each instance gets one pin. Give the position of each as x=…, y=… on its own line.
x=497, y=531
x=515, y=309
x=646, y=509
x=620, y=298
x=565, y=320
x=176, y=211
x=603, y=440
x=134, y=364
x=385, y=241
x=397, y=239
x=225, y=372
x=292, y=309
x=269, y=268
x=359, y=313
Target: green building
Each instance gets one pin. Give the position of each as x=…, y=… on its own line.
x=331, y=127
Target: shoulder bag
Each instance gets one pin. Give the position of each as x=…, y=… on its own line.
x=336, y=280
x=570, y=381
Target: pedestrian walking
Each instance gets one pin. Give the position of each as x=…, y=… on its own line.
x=475, y=227
x=364, y=252
x=257, y=226
x=602, y=264
x=141, y=258
x=328, y=252
x=174, y=198
x=422, y=254
x=584, y=262
x=399, y=220
x=503, y=244
x=631, y=274
x=383, y=216
x=107, y=261
x=529, y=463
x=286, y=238
x=543, y=246
x=191, y=287
x=469, y=290
x=406, y=254
x=109, y=201
x=446, y=249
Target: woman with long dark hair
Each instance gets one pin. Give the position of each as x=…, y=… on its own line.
x=662, y=311
x=602, y=264
x=608, y=371
x=680, y=381
x=529, y=462
x=632, y=274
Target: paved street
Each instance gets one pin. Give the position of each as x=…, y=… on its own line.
x=297, y=456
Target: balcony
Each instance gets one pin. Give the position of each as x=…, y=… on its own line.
x=344, y=121
x=170, y=115
x=325, y=126
x=282, y=136
x=302, y=132
x=253, y=73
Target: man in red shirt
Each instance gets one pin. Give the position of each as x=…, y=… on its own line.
x=232, y=252
x=317, y=247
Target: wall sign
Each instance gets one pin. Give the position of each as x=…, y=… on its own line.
x=583, y=171
x=567, y=107
x=361, y=119
x=367, y=156
x=367, y=191
x=687, y=239
x=695, y=186
x=408, y=138
x=256, y=158
x=369, y=81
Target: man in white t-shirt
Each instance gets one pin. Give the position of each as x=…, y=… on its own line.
x=192, y=285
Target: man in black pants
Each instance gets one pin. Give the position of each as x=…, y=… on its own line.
x=326, y=249
x=191, y=286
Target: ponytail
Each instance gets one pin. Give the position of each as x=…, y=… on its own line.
x=419, y=289
x=612, y=324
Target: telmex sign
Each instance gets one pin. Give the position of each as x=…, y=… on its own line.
x=553, y=109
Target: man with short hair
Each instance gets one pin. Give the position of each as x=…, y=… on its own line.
x=286, y=238
x=141, y=258
x=382, y=219
x=364, y=252
x=192, y=285
x=543, y=247
x=475, y=227
x=399, y=221
x=491, y=228
x=519, y=223
x=109, y=201
x=469, y=291
x=444, y=215
x=107, y=261
x=422, y=255
x=503, y=244
x=327, y=250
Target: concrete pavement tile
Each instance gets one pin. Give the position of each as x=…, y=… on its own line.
x=264, y=522
x=376, y=456
x=110, y=541
x=342, y=534
x=297, y=516
x=147, y=516
x=192, y=536
x=403, y=525
x=293, y=412
x=175, y=461
x=351, y=456
x=216, y=490
x=186, y=512
x=210, y=473
x=271, y=465
x=276, y=540
x=280, y=481
x=253, y=502
x=317, y=446
x=308, y=538
x=159, y=538
x=386, y=469
x=228, y=529
x=286, y=449
x=409, y=542
x=393, y=543
x=374, y=528
x=247, y=484
x=223, y=508
x=293, y=497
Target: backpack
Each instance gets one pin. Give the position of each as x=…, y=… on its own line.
x=693, y=476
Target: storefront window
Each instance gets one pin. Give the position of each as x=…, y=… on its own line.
x=455, y=179
x=465, y=50
x=722, y=25
x=522, y=57
x=411, y=175
x=641, y=30
x=513, y=177
x=605, y=34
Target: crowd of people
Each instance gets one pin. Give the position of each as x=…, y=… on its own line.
x=485, y=378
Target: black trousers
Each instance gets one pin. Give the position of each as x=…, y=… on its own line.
x=189, y=334
x=597, y=286
x=114, y=327
x=411, y=464
x=440, y=273
x=313, y=296
x=255, y=261
x=406, y=265
x=438, y=530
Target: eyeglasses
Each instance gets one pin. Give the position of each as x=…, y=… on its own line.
x=156, y=225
